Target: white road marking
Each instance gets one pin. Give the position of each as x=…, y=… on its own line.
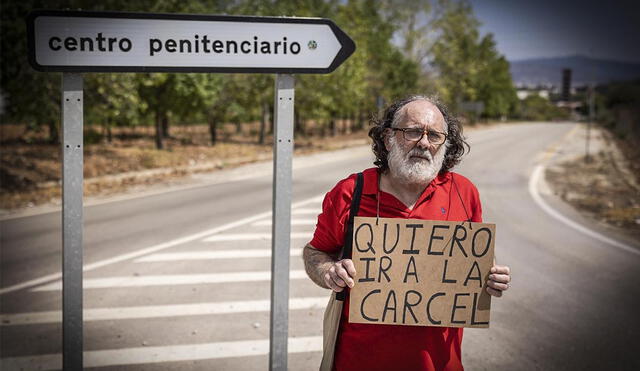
x=253, y=236
x=538, y=172
x=173, y=353
x=173, y=279
x=154, y=248
x=155, y=311
x=212, y=255
x=293, y=222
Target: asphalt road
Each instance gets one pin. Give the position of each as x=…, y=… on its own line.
x=175, y=302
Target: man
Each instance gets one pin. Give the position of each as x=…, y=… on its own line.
x=416, y=143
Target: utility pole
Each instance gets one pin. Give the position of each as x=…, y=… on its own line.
x=591, y=118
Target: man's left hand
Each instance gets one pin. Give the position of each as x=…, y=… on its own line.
x=499, y=279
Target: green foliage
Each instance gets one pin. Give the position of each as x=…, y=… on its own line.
x=470, y=68
x=621, y=94
x=31, y=96
x=455, y=52
x=444, y=36
x=537, y=108
x=495, y=87
x=618, y=107
x=112, y=99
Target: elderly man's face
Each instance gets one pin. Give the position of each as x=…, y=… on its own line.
x=416, y=161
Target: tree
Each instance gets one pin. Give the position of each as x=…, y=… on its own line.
x=181, y=94
x=470, y=68
x=260, y=87
x=259, y=91
x=494, y=84
x=112, y=99
x=537, y=108
x=31, y=96
x=376, y=69
x=455, y=52
x=412, y=21
x=210, y=100
x=396, y=43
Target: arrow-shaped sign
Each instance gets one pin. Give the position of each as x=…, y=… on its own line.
x=78, y=41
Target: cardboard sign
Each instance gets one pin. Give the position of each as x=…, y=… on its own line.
x=421, y=272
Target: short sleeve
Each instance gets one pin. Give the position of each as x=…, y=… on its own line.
x=330, y=228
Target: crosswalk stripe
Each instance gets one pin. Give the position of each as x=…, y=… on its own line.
x=172, y=279
x=154, y=311
x=252, y=236
x=212, y=255
x=154, y=248
x=267, y=222
x=173, y=353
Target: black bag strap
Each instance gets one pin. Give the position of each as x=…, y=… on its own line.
x=348, y=234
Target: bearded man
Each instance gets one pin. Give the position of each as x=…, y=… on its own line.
x=416, y=144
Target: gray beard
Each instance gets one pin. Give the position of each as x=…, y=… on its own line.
x=415, y=172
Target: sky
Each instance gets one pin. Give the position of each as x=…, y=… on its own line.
x=607, y=29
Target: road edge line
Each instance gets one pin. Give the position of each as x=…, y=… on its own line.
x=534, y=179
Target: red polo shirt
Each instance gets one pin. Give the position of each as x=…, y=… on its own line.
x=392, y=347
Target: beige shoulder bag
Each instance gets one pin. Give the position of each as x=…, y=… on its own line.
x=333, y=313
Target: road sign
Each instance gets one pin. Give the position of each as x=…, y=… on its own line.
x=78, y=41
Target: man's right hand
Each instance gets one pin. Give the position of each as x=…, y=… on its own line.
x=340, y=274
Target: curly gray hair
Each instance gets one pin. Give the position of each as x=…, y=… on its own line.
x=456, y=143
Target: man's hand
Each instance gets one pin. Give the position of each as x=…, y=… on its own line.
x=499, y=278
x=326, y=271
x=340, y=274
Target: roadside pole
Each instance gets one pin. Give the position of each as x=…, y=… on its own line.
x=591, y=118
x=72, y=225
x=281, y=221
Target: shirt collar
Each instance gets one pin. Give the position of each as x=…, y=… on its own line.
x=370, y=185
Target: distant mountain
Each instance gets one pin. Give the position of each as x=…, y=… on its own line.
x=585, y=70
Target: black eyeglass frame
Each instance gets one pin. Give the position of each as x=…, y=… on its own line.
x=424, y=131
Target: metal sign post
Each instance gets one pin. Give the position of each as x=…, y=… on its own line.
x=281, y=221
x=77, y=41
x=72, y=163
x=591, y=119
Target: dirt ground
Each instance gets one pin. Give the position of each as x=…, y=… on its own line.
x=30, y=168
x=604, y=186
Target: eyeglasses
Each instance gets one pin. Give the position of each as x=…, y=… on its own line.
x=415, y=135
